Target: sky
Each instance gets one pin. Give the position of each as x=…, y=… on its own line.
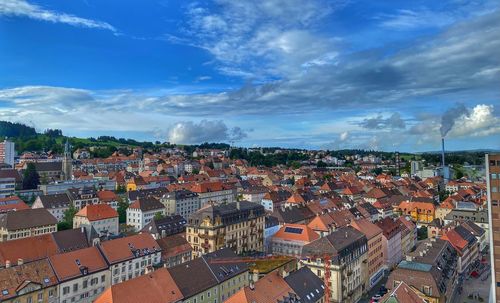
x=383, y=75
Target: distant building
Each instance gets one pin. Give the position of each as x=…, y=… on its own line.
x=290, y=239
x=100, y=217
x=56, y=204
x=142, y=211
x=391, y=242
x=26, y=223
x=181, y=202
x=7, y=152
x=164, y=227
x=492, y=162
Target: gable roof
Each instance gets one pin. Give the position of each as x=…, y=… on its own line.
x=296, y=232
x=119, y=250
x=96, y=212
x=309, y=287
x=269, y=289
x=193, y=277
x=155, y=287
x=147, y=204
x=369, y=229
x=55, y=200
x=13, y=203
x=27, y=218
x=73, y=264
x=14, y=279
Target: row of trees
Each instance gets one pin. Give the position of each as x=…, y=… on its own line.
x=290, y=158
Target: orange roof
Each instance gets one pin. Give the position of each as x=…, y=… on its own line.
x=12, y=204
x=119, y=250
x=156, y=287
x=296, y=198
x=209, y=187
x=369, y=229
x=296, y=232
x=97, y=212
x=409, y=206
x=322, y=223
x=271, y=288
x=455, y=239
x=106, y=196
x=28, y=249
x=69, y=265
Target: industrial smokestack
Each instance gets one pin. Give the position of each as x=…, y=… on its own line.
x=442, y=152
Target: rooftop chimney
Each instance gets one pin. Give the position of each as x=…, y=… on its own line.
x=7, y=263
x=20, y=261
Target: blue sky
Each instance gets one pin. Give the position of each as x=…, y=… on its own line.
x=292, y=73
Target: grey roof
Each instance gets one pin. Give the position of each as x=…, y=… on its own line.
x=181, y=194
x=48, y=166
x=55, y=200
x=224, y=271
x=231, y=213
x=170, y=224
x=308, y=286
x=475, y=229
x=76, y=193
x=271, y=221
x=293, y=215
x=193, y=277
x=143, y=193
x=338, y=244
x=26, y=218
x=147, y=204
x=71, y=239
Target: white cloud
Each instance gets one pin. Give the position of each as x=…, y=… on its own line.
x=21, y=8
x=344, y=136
x=480, y=121
x=189, y=132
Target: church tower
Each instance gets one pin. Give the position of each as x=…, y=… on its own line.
x=67, y=163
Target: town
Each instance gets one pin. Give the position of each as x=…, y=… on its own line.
x=217, y=223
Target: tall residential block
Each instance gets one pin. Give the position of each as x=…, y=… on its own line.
x=7, y=152
x=493, y=187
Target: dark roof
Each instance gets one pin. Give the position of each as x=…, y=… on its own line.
x=293, y=215
x=308, y=286
x=181, y=194
x=48, y=166
x=143, y=193
x=369, y=208
x=231, y=213
x=26, y=218
x=193, y=277
x=224, y=271
x=10, y=173
x=55, y=200
x=170, y=224
x=472, y=227
x=71, y=239
x=338, y=244
x=465, y=234
x=271, y=221
x=147, y=204
x=76, y=193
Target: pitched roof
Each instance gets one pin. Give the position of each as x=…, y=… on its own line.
x=269, y=289
x=28, y=249
x=156, y=287
x=170, y=224
x=71, y=239
x=14, y=279
x=402, y=294
x=119, y=250
x=107, y=196
x=322, y=223
x=26, y=218
x=55, y=200
x=13, y=203
x=147, y=204
x=295, y=199
x=296, y=232
x=193, y=277
x=96, y=212
x=309, y=287
x=369, y=229
x=74, y=264
x=173, y=245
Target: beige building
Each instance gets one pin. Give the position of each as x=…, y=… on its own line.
x=26, y=223
x=238, y=225
x=375, y=250
x=347, y=249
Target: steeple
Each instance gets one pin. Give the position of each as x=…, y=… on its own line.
x=67, y=163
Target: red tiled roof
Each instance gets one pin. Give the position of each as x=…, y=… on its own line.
x=97, y=212
x=306, y=234
x=70, y=265
x=106, y=196
x=119, y=250
x=13, y=203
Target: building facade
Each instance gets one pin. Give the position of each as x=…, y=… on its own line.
x=239, y=226
x=7, y=152
x=26, y=223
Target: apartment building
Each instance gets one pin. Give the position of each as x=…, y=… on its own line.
x=238, y=225
x=214, y=192
x=56, y=204
x=7, y=152
x=26, y=223
x=175, y=250
x=131, y=256
x=430, y=270
x=493, y=192
x=142, y=211
x=181, y=202
x=81, y=197
x=375, y=260
x=101, y=217
x=466, y=245
x=165, y=227
x=82, y=275
x=347, y=249
x=7, y=186
x=33, y=282
x=290, y=239
x=391, y=242
x=408, y=234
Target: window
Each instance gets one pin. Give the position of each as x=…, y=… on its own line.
x=75, y=287
x=103, y=278
x=85, y=283
x=66, y=290
x=494, y=176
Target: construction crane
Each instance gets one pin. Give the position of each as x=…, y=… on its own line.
x=325, y=257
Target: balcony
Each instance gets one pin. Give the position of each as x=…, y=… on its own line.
x=349, y=273
x=205, y=245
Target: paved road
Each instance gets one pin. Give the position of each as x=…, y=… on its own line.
x=374, y=290
x=480, y=286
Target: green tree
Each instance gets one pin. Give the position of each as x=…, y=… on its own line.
x=31, y=179
x=63, y=226
x=159, y=216
x=321, y=164
x=122, y=210
x=69, y=214
x=295, y=164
